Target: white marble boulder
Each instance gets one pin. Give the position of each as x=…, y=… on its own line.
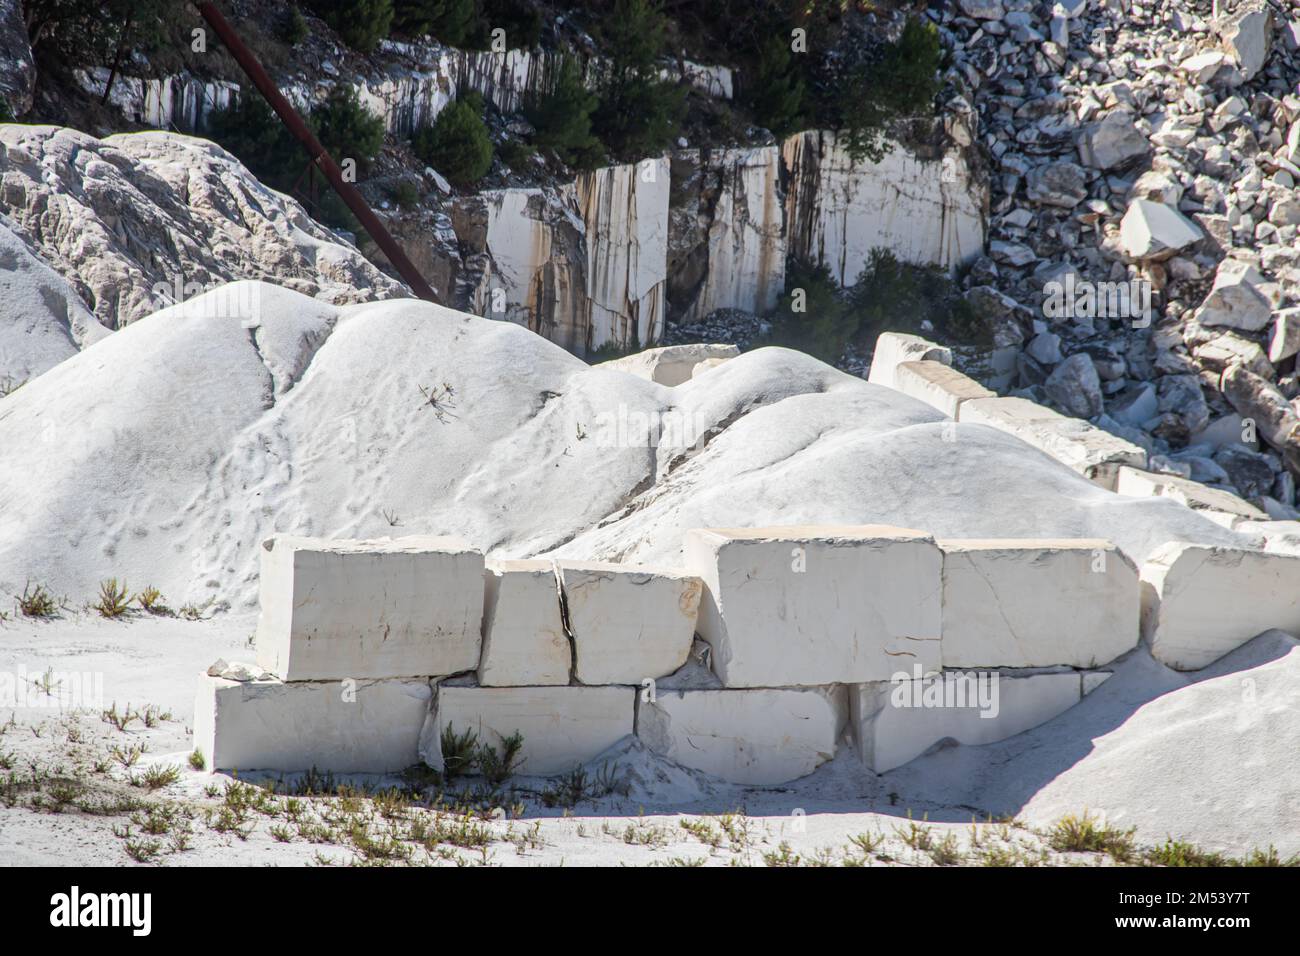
x=524, y=640
x=562, y=727
x=1200, y=602
x=813, y=605
x=894, y=348
x=894, y=722
x=628, y=622
x=757, y=737
x=1037, y=603
x=361, y=726
x=334, y=608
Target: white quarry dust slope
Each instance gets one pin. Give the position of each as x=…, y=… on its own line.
x=42, y=321
x=165, y=453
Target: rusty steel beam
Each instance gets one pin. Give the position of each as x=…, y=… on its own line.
x=320, y=158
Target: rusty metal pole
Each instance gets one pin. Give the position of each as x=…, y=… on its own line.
x=319, y=156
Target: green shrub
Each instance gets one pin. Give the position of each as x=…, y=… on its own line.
x=892, y=295
x=361, y=24
x=254, y=134
x=294, y=28
x=347, y=129
x=114, y=599
x=92, y=31
x=519, y=19
x=561, y=116
x=775, y=95
x=638, y=114
x=860, y=95
x=515, y=154
x=457, y=144
x=6, y=114
x=813, y=316
x=450, y=21
x=888, y=296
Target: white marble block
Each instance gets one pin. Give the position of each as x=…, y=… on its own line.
x=1037, y=603
x=404, y=607
x=812, y=605
x=759, y=737
x=894, y=348
x=628, y=622
x=363, y=726
x=1200, y=602
x=524, y=643
x=895, y=722
x=1092, y=452
x=562, y=727
x=941, y=387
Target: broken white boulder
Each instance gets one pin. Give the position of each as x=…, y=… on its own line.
x=628, y=622
x=672, y=364
x=1037, y=603
x=895, y=722
x=1239, y=299
x=562, y=727
x=1152, y=230
x=1248, y=39
x=939, y=386
x=1113, y=141
x=895, y=348
x=336, y=726
x=524, y=641
x=809, y=605
x=389, y=607
x=1145, y=484
x=1285, y=339
x=1202, y=67
x=758, y=737
x=1201, y=602
x=1092, y=452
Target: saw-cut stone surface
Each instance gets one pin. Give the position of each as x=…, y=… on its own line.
x=816, y=605
x=336, y=608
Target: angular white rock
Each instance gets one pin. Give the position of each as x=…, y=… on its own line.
x=1037, y=603
x=1147, y=484
x=939, y=386
x=1092, y=452
x=672, y=364
x=758, y=737
x=1200, y=602
x=336, y=726
x=809, y=605
x=524, y=642
x=892, y=723
x=1239, y=299
x=1152, y=230
x=336, y=608
x=895, y=348
x=562, y=727
x=628, y=622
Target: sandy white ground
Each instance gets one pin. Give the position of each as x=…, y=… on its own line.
x=1199, y=757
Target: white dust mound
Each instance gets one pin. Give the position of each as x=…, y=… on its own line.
x=42, y=321
x=1206, y=757
x=165, y=453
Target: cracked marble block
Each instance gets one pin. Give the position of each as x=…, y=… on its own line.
x=562, y=727
x=362, y=726
x=391, y=607
x=894, y=348
x=811, y=605
x=758, y=737
x=1037, y=602
x=1200, y=602
x=894, y=722
x=629, y=622
x=524, y=642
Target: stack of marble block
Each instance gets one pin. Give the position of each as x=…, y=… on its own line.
x=753, y=662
